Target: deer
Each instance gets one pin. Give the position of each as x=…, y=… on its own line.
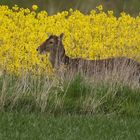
x=57, y=57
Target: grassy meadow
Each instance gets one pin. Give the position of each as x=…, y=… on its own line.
x=66, y=127
x=41, y=108
x=76, y=95
x=37, y=104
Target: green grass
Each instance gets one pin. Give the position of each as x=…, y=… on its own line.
x=66, y=127
x=77, y=95
x=35, y=107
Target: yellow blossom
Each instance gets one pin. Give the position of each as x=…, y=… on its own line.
x=100, y=7
x=96, y=35
x=34, y=7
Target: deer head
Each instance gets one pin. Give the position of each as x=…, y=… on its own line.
x=54, y=46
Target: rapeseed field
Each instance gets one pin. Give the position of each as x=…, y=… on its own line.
x=96, y=35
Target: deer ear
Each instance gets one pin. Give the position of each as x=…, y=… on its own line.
x=61, y=36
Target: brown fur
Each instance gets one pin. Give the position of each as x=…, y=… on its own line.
x=57, y=57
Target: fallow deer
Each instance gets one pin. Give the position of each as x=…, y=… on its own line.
x=57, y=57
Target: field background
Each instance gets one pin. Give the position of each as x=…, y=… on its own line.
x=52, y=6
x=41, y=108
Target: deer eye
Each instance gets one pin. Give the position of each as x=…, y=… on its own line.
x=51, y=42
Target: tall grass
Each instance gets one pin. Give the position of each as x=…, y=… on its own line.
x=74, y=95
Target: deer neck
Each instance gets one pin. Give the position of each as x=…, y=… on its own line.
x=52, y=58
x=57, y=58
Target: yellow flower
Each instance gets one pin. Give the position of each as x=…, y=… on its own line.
x=15, y=7
x=70, y=10
x=34, y=7
x=100, y=7
x=91, y=36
